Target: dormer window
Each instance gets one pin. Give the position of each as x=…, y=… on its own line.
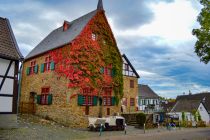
x=93, y=37
x=66, y=25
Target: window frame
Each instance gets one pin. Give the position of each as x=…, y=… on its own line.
x=32, y=67
x=48, y=60
x=131, y=83
x=132, y=101
x=87, y=96
x=45, y=91
x=93, y=36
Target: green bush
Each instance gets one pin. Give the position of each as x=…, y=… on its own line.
x=141, y=119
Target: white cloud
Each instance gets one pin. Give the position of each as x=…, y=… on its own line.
x=172, y=23
x=145, y=73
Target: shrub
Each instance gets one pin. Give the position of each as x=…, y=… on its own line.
x=141, y=119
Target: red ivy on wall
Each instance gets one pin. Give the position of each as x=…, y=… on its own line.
x=81, y=61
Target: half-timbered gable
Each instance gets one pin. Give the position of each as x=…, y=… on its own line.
x=10, y=57
x=130, y=82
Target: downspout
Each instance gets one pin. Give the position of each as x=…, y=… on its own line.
x=19, y=85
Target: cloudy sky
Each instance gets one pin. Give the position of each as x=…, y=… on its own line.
x=154, y=34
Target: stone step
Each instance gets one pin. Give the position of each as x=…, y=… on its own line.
x=8, y=121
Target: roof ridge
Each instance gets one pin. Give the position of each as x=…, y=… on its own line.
x=57, y=38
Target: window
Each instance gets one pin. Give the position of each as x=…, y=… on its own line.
x=108, y=111
x=132, y=102
x=108, y=70
x=107, y=93
x=93, y=37
x=44, y=95
x=87, y=91
x=88, y=100
x=87, y=96
x=107, y=101
x=48, y=60
x=32, y=67
x=131, y=83
x=126, y=67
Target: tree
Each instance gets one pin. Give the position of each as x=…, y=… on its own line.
x=202, y=46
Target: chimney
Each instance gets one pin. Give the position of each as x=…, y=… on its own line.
x=66, y=25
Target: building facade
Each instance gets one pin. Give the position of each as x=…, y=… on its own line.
x=189, y=109
x=75, y=72
x=148, y=100
x=10, y=57
x=130, y=83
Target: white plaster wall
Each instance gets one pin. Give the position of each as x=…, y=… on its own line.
x=204, y=114
x=7, y=86
x=3, y=67
x=5, y=104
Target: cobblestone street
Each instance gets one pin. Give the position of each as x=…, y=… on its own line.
x=35, y=128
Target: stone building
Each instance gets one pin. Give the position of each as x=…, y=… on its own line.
x=10, y=57
x=130, y=87
x=53, y=76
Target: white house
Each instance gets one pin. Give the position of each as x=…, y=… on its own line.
x=10, y=57
x=148, y=100
x=204, y=97
x=188, y=107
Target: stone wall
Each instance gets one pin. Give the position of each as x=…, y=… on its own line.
x=130, y=93
x=63, y=109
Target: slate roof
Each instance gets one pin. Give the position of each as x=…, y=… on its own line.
x=186, y=105
x=58, y=37
x=124, y=56
x=145, y=92
x=8, y=45
x=199, y=96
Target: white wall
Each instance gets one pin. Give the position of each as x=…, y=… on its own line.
x=204, y=114
x=7, y=86
x=5, y=104
x=3, y=67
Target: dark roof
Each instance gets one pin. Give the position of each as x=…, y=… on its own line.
x=167, y=106
x=8, y=45
x=100, y=5
x=199, y=96
x=146, y=92
x=58, y=37
x=124, y=56
x=186, y=105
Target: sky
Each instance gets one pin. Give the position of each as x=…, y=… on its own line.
x=155, y=35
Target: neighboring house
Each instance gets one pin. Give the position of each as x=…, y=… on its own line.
x=167, y=105
x=130, y=83
x=59, y=73
x=188, y=107
x=10, y=57
x=204, y=97
x=148, y=100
